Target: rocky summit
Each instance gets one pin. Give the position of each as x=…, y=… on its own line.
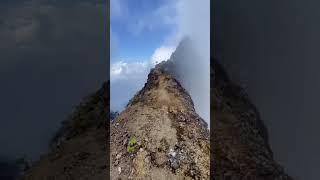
x=159, y=135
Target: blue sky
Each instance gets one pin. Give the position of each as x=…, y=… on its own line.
x=140, y=26
x=141, y=34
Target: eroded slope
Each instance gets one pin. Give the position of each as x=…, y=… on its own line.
x=172, y=141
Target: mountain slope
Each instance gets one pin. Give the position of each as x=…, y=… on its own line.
x=79, y=149
x=241, y=147
x=159, y=135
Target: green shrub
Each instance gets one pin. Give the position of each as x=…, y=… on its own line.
x=131, y=144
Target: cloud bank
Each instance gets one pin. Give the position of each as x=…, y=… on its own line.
x=194, y=22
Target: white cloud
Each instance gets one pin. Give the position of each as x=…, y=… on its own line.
x=162, y=53
x=193, y=19
x=128, y=71
x=127, y=78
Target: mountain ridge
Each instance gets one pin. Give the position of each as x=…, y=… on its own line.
x=160, y=135
x=172, y=140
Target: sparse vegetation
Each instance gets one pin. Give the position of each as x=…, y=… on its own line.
x=132, y=144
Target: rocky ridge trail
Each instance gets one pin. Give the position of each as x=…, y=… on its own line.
x=159, y=135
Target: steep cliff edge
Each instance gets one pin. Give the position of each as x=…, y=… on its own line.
x=241, y=147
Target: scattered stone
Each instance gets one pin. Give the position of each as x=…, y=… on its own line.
x=116, y=162
x=190, y=135
x=125, y=141
x=118, y=156
x=160, y=158
x=172, y=153
x=173, y=158
x=119, y=170
x=174, y=164
x=147, y=159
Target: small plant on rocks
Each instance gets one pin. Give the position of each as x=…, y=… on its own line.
x=132, y=144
